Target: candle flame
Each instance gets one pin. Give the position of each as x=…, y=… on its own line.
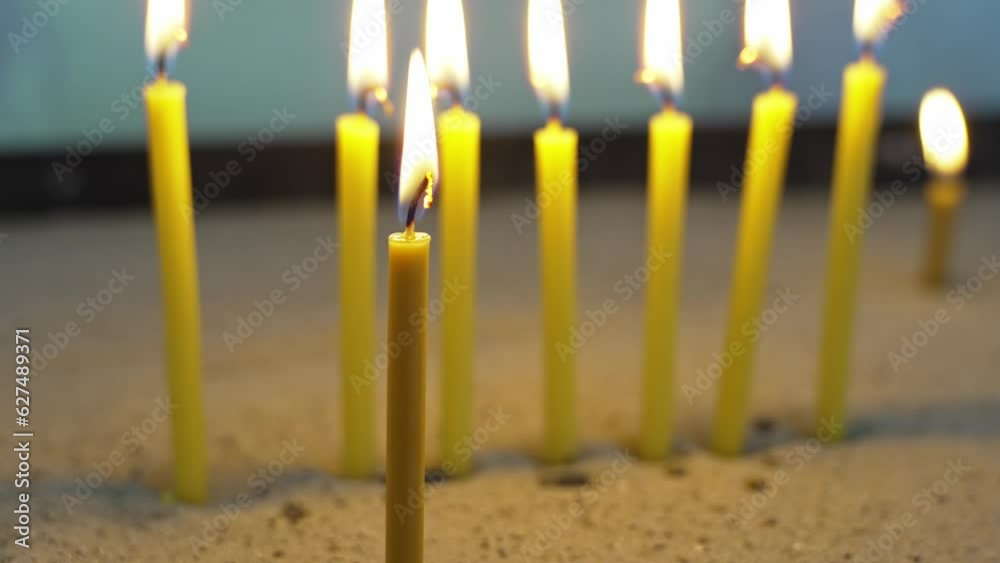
x=662, y=55
x=367, y=54
x=943, y=133
x=418, y=173
x=874, y=18
x=767, y=35
x=547, y=59
x=166, y=28
x=447, y=48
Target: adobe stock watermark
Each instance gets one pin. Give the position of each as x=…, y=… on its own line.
x=590, y=493
x=943, y=139
x=31, y=26
x=589, y=153
x=465, y=448
x=131, y=440
x=795, y=460
x=928, y=328
x=625, y=288
x=922, y=502
x=121, y=109
x=249, y=150
x=88, y=311
x=292, y=278
x=481, y=91
x=756, y=157
x=374, y=28
x=752, y=331
x=257, y=484
x=225, y=7
x=419, y=321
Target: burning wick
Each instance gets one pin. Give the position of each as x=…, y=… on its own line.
x=380, y=96
x=427, y=196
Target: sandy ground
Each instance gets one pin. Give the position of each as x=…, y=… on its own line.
x=918, y=481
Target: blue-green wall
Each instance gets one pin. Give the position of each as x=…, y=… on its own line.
x=269, y=54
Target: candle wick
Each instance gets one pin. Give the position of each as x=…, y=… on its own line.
x=161, y=66
x=868, y=51
x=667, y=99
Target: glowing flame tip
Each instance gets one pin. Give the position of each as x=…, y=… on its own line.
x=943, y=133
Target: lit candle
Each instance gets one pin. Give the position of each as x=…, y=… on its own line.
x=768, y=40
x=669, y=164
x=556, y=183
x=946, y=151
x=857, y=139
x=409, y=258
x=170, y=167
x=459, y=134
x=357, y=201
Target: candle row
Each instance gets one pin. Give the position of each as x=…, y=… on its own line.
x=454, y=136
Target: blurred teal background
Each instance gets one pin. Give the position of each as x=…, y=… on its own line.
x=248, y=57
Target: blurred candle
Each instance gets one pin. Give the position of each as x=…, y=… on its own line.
x=669, y=164
x=769, y=45
x=854, y=161
x=170, y=167
x=556, y=184
x=459, y=135
x=409, y=259
x=357, y=202
x=946, y=151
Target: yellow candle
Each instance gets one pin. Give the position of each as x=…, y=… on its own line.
x=944, y=198
x=170, y=167
x=669, y=158
x=460, y=138
x=669, y=165
x=857, y=138
x=556, y=191
x=556, y=162
x=945, y=140
x=768, y=43
x=409, y=257
x=357, y=199
x=357, y=202
x=854, y=160
x=459, y=135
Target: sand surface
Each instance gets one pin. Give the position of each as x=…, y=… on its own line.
x=918, y=481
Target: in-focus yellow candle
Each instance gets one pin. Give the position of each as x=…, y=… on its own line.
x=669, y=166
x=409, y=259
x=854, y=162
x=409, y=267
x=945, y=139
x=768, y=24
x=459, y=140
x=556, y=149
x=170, y=167
x=357, y=204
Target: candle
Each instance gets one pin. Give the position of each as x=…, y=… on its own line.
x=556, y=182
x=459, y=135
x=854, y=160
x=768, y=44
x=409, y=257
x=170, y=168
x=357, y=201
x=669, y=156
x=946, y=151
